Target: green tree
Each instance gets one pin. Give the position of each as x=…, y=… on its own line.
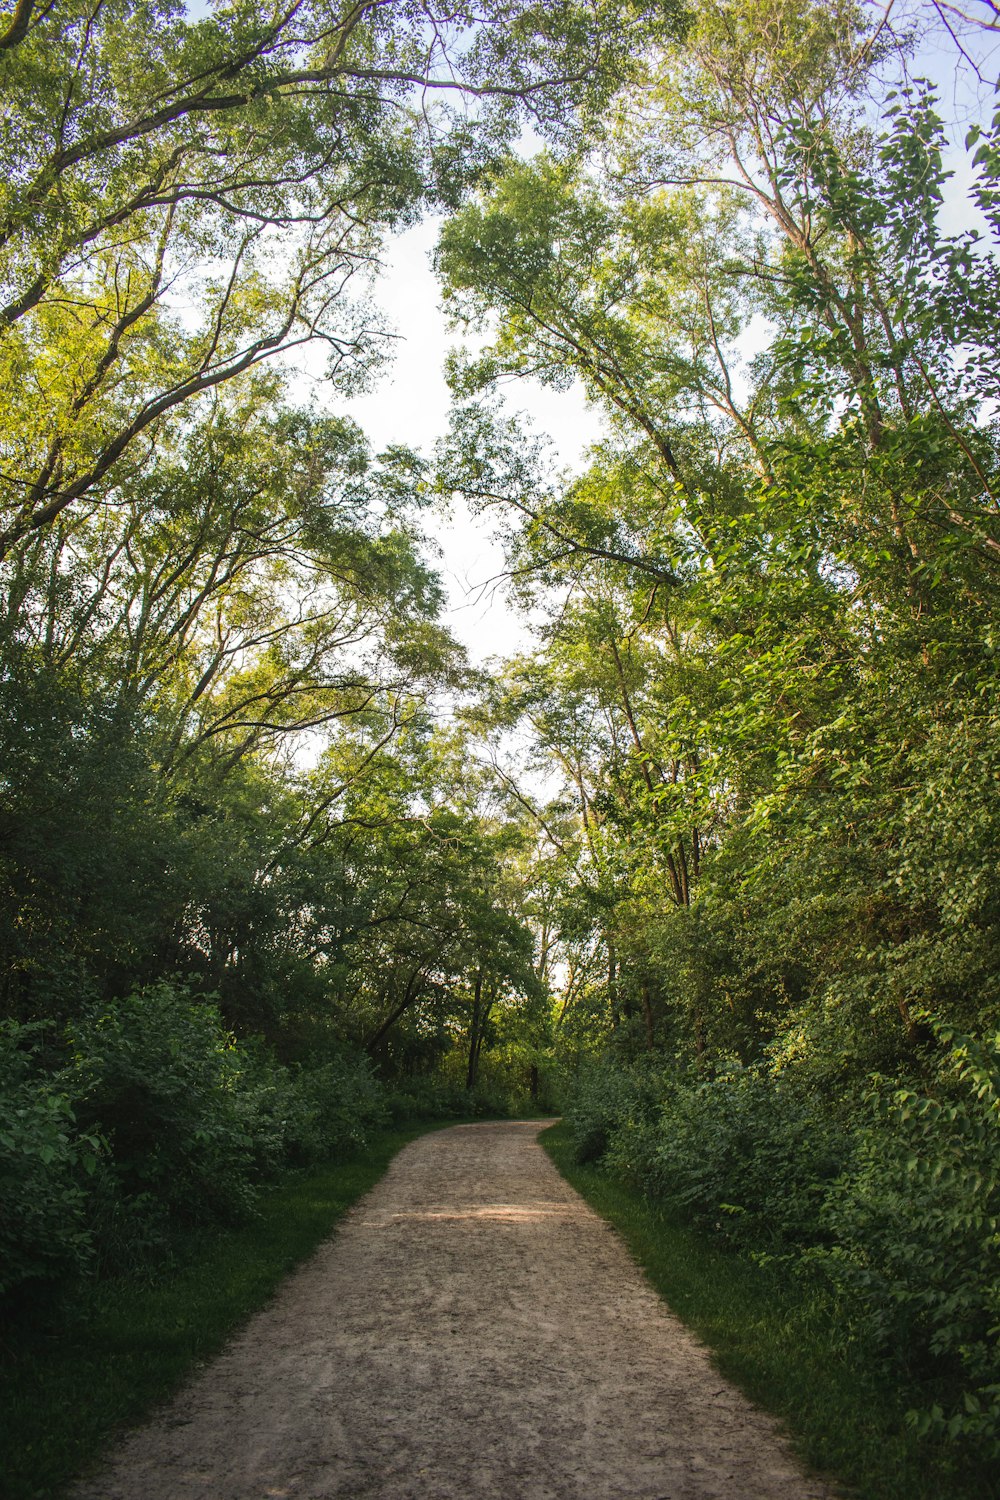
x=184, y=198
x=774, y=584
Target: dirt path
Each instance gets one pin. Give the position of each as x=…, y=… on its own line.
x=472, y=1332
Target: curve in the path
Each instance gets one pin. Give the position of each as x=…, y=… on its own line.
x=472, y=1332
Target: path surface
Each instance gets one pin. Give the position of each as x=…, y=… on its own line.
x=472, y=1332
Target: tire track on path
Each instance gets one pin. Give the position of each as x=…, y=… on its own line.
x=473, y=1331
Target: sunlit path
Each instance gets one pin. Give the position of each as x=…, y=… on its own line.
x=473, y=1330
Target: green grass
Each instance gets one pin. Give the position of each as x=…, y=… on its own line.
x=70, y=1378
x=772, y=1338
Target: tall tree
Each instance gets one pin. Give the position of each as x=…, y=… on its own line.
x=183, y=198
x=791, y=539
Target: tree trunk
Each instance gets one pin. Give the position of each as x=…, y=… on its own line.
x=612, y=977
x=409, y=995
x=647, y=1015
x=475, y=1032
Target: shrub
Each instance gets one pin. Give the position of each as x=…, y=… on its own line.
x=160, y=1078
x=330, y=1110
x=45, y=1162
x=607, y=1102
x=427, y=1098
x=158, y=1119
x=748, y=1153
x=896, y=1206
x=915, y=1225
x=437, y=1098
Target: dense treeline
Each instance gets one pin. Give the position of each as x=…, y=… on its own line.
x=768, y=675
x=717, y=864
x=251, y=896
x=210, y=941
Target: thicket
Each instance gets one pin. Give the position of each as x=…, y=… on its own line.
x=886, y=1200
x=146, y=1116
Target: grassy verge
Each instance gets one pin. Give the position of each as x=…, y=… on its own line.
x=772, y=1338
x=71, y=1376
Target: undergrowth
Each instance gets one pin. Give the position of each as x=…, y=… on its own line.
x=774, y=1336
x=78, y=1367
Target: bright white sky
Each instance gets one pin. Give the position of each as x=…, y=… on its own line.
x=410, y=406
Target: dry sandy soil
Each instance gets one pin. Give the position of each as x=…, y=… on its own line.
x=472, y=1332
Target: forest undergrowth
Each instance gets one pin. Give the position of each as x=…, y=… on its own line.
x=88, y=1361
x=782, y=1340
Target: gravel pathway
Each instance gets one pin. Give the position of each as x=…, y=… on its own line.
x=473, y=1331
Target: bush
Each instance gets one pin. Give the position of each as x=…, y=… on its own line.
x=331, y=1110
x=747, y=1153
x=915, y=1230
x=158, y=1119
x=437, y=1098
x=894, y=1206
x=608, y=1103
x=160, y=1078
x=45, y=1162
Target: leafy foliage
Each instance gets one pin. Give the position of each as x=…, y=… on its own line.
x=44, y=1165
x=158, y=1077
x=915, y=1230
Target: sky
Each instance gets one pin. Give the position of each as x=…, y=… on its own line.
x=410, y=406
